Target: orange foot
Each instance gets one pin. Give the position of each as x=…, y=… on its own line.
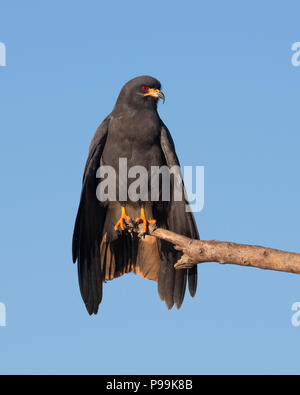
x=143, y=220
x=124, y=218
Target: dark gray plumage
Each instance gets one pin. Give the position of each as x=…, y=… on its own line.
x=134, y=131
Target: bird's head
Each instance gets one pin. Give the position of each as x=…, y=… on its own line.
x=140, y=92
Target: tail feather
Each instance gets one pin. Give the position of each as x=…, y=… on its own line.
x=192, y=276
x=124, y=252
x=179, y=287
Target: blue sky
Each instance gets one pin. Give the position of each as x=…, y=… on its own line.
x=232, y=105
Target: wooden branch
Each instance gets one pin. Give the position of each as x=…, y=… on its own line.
x=199, y=251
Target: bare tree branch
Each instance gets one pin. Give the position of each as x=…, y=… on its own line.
x=199, y=251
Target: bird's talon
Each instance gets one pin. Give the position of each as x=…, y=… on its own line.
x=122, y=223
x=145, y=221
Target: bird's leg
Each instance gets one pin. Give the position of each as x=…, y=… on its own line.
x=124, y=217
x=143, y=220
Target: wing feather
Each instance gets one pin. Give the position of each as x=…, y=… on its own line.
x=88, y=228
x=171, y=282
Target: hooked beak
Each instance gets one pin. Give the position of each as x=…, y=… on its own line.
x=155, y=93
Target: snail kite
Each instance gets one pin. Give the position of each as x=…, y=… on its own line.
x=103, y=246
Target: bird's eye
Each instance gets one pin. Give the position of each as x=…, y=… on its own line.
x=145, y=88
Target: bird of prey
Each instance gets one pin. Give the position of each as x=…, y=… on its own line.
x=103, y=246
